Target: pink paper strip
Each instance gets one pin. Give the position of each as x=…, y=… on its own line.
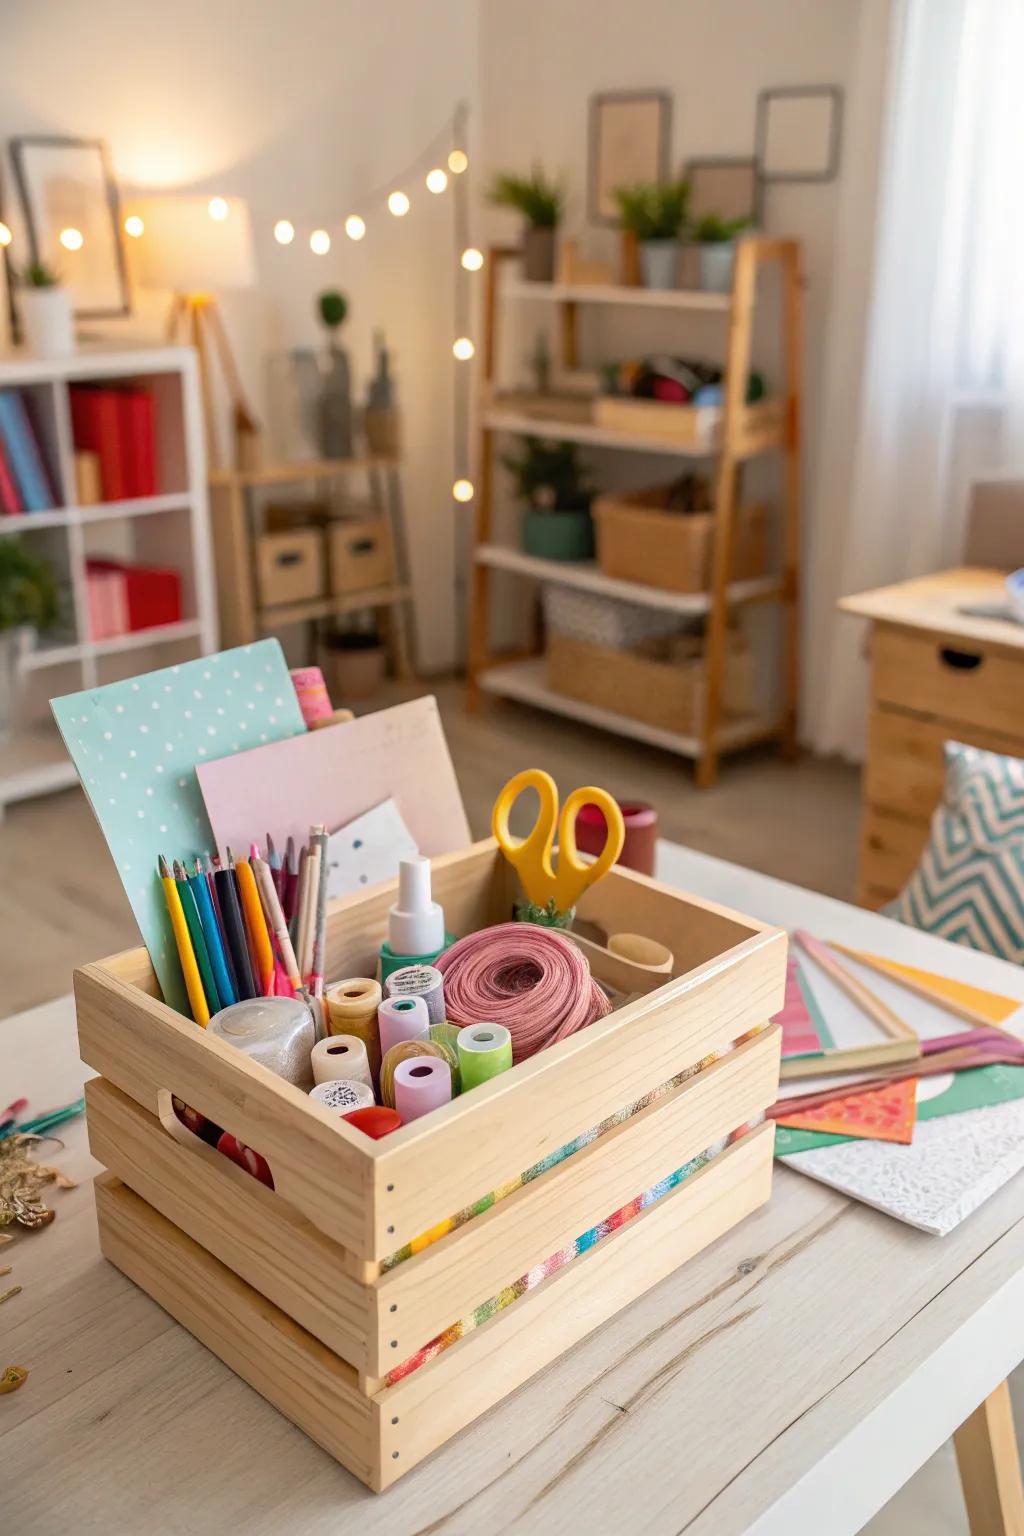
x=799, y=1036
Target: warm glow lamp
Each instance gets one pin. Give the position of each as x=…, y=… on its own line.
x=196, y=247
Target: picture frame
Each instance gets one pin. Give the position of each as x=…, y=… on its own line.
x=628, y=142
x=724, y=184
x=798, y=132
x=68, y=182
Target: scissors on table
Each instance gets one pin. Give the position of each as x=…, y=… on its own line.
x=530, y=856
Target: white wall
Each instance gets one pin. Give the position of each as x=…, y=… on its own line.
x=303, y=109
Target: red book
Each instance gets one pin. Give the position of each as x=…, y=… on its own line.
x=10, y=501
x=138, y=434
x=152, y=592
x=96, y=425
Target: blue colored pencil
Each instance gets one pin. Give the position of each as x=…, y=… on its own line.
x=214, y=939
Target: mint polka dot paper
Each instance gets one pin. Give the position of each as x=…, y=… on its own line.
x=136, y=745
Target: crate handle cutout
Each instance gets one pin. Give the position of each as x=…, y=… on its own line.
x=173, y=1126
x=960, y=661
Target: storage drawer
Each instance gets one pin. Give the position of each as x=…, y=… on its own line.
x=289, y=566
x=540, y=1203
x=360, y=553
x=964, y=683
x=905, y=770
x=890, y=847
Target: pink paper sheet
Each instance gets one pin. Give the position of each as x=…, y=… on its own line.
x=799, y=1036
x=335, y=774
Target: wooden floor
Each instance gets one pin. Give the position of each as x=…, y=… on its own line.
x=61, y=903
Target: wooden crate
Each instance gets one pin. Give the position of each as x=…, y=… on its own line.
x=637, y=540
x=668, y=694
x=696, y=426
x=291, y=1286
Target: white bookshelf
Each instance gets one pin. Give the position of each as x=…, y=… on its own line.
x=171, y=528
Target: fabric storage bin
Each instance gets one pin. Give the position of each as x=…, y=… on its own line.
x=605, y=620
x=360, y=554
x=639, y=541
x=289, y=566
x=347, y=1294
x=665, y=690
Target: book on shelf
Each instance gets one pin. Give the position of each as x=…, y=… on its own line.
x=10, y=501
x=125, y=597
x=118, y=424
x=23, y=454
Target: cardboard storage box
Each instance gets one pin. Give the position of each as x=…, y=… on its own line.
x=360, y=554
x=289, y=566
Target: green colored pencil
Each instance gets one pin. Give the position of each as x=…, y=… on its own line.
x=195, y=929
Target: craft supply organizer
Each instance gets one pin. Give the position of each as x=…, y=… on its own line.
x=297, y=1288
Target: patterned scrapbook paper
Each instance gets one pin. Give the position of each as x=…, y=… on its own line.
x=881, y=1114
x=799, y=1036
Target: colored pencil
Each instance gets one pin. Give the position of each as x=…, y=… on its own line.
x=214, y=939
x=179, y=928
x=275, y=920
x=256, y=925
x=316, y=980
x=307, y=914
x=293, y=921
x=276, y=866
x=234, y=932
x=195, y=929
x=291, y=880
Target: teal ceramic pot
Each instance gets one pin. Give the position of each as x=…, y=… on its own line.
x=559, y=535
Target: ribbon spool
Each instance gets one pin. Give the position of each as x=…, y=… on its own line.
x=402, y=1018
x=342, y=1096
x=421, y=1084
x=352, y=1010
x=405, y=1050
x=341, y=1058
x=485, y=1050
x=423, y=981
x=641, y=950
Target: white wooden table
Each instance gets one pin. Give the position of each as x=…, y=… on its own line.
x=785, y=1383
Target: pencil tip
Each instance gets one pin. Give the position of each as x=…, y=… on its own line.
x=231, y=858
x=254, y=850
x=270, y=845
x=165, y=873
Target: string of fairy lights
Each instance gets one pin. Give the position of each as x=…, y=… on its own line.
x=356, y=227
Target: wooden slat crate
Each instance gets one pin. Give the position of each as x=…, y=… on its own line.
x=292, y=1286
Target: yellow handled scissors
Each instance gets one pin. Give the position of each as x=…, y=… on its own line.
x=531, y=856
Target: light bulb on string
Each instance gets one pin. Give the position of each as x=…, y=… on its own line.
x=134, y=226
x=458, y=161
x=462, y=490
x=284, y=231
x=355, y=227
x=472, y=259
x=398, y=204
x=217, y=208
x=71, y=239
x=463, y=348
x=319, y=242
x=5, y=235
x=436, y=180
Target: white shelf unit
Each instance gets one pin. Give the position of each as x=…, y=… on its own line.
x=170, y=528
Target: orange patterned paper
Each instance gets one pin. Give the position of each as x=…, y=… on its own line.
x=883, y=1114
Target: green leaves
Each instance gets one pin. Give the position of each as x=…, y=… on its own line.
x=333, y=307
x=654, y=211
x=541, y=202
x=549, y=476
x=28, y=592
x=38, y=275
x=714, y=230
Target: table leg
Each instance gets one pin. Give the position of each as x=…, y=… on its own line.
x=986, y=1454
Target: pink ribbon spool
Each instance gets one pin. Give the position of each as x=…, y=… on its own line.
x=422, y=1083
x=402, y=1018
x=311, y=692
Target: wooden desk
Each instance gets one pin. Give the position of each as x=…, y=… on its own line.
x=937, y=674
x=785, y=1383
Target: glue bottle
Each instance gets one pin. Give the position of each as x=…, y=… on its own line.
x=416, y=933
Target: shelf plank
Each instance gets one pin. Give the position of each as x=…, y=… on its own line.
x=325, y=607
x=616, y=293
x=586, y=575
x=135, y=640
x=102, y=512
x=521, y=424
x=524, y=681
x=35, y=761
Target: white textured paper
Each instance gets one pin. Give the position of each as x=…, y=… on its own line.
x=367, y=851
x=953, y=1165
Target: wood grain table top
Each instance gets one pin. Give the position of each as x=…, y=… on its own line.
x=935, y=605
x=788, y=1380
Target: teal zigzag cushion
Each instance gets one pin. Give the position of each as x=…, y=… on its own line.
x=969, y=885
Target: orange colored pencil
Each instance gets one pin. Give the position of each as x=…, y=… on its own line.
x=255, y=923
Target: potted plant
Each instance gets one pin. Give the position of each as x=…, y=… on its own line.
x=541, y=203
x=553, y=484
x=655, y=213
x=28, y=603
x=336, y=394
x=717, y=240
x=47, y=316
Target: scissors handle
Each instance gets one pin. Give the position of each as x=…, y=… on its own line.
x=573, y=874
x=530, y=856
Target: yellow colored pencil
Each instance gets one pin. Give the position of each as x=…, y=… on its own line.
x=256, y=923
x=186, y=954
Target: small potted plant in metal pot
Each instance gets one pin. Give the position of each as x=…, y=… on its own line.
x=655, y=213
x=716, y=238
x=28, y=604
x=541, y=203
x=553, y=484
x=336, y=391
x=46, y=312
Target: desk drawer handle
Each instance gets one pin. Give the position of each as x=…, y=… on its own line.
x=960, y=661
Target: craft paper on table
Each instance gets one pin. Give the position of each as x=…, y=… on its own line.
x=367, y=851
x=799, y=1036
x=880, y=1114
x=951, y=1168
x=339, y=773
x=989, y=1005
x=136, y=744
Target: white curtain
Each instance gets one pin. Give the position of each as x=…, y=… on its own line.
x=943, y=294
